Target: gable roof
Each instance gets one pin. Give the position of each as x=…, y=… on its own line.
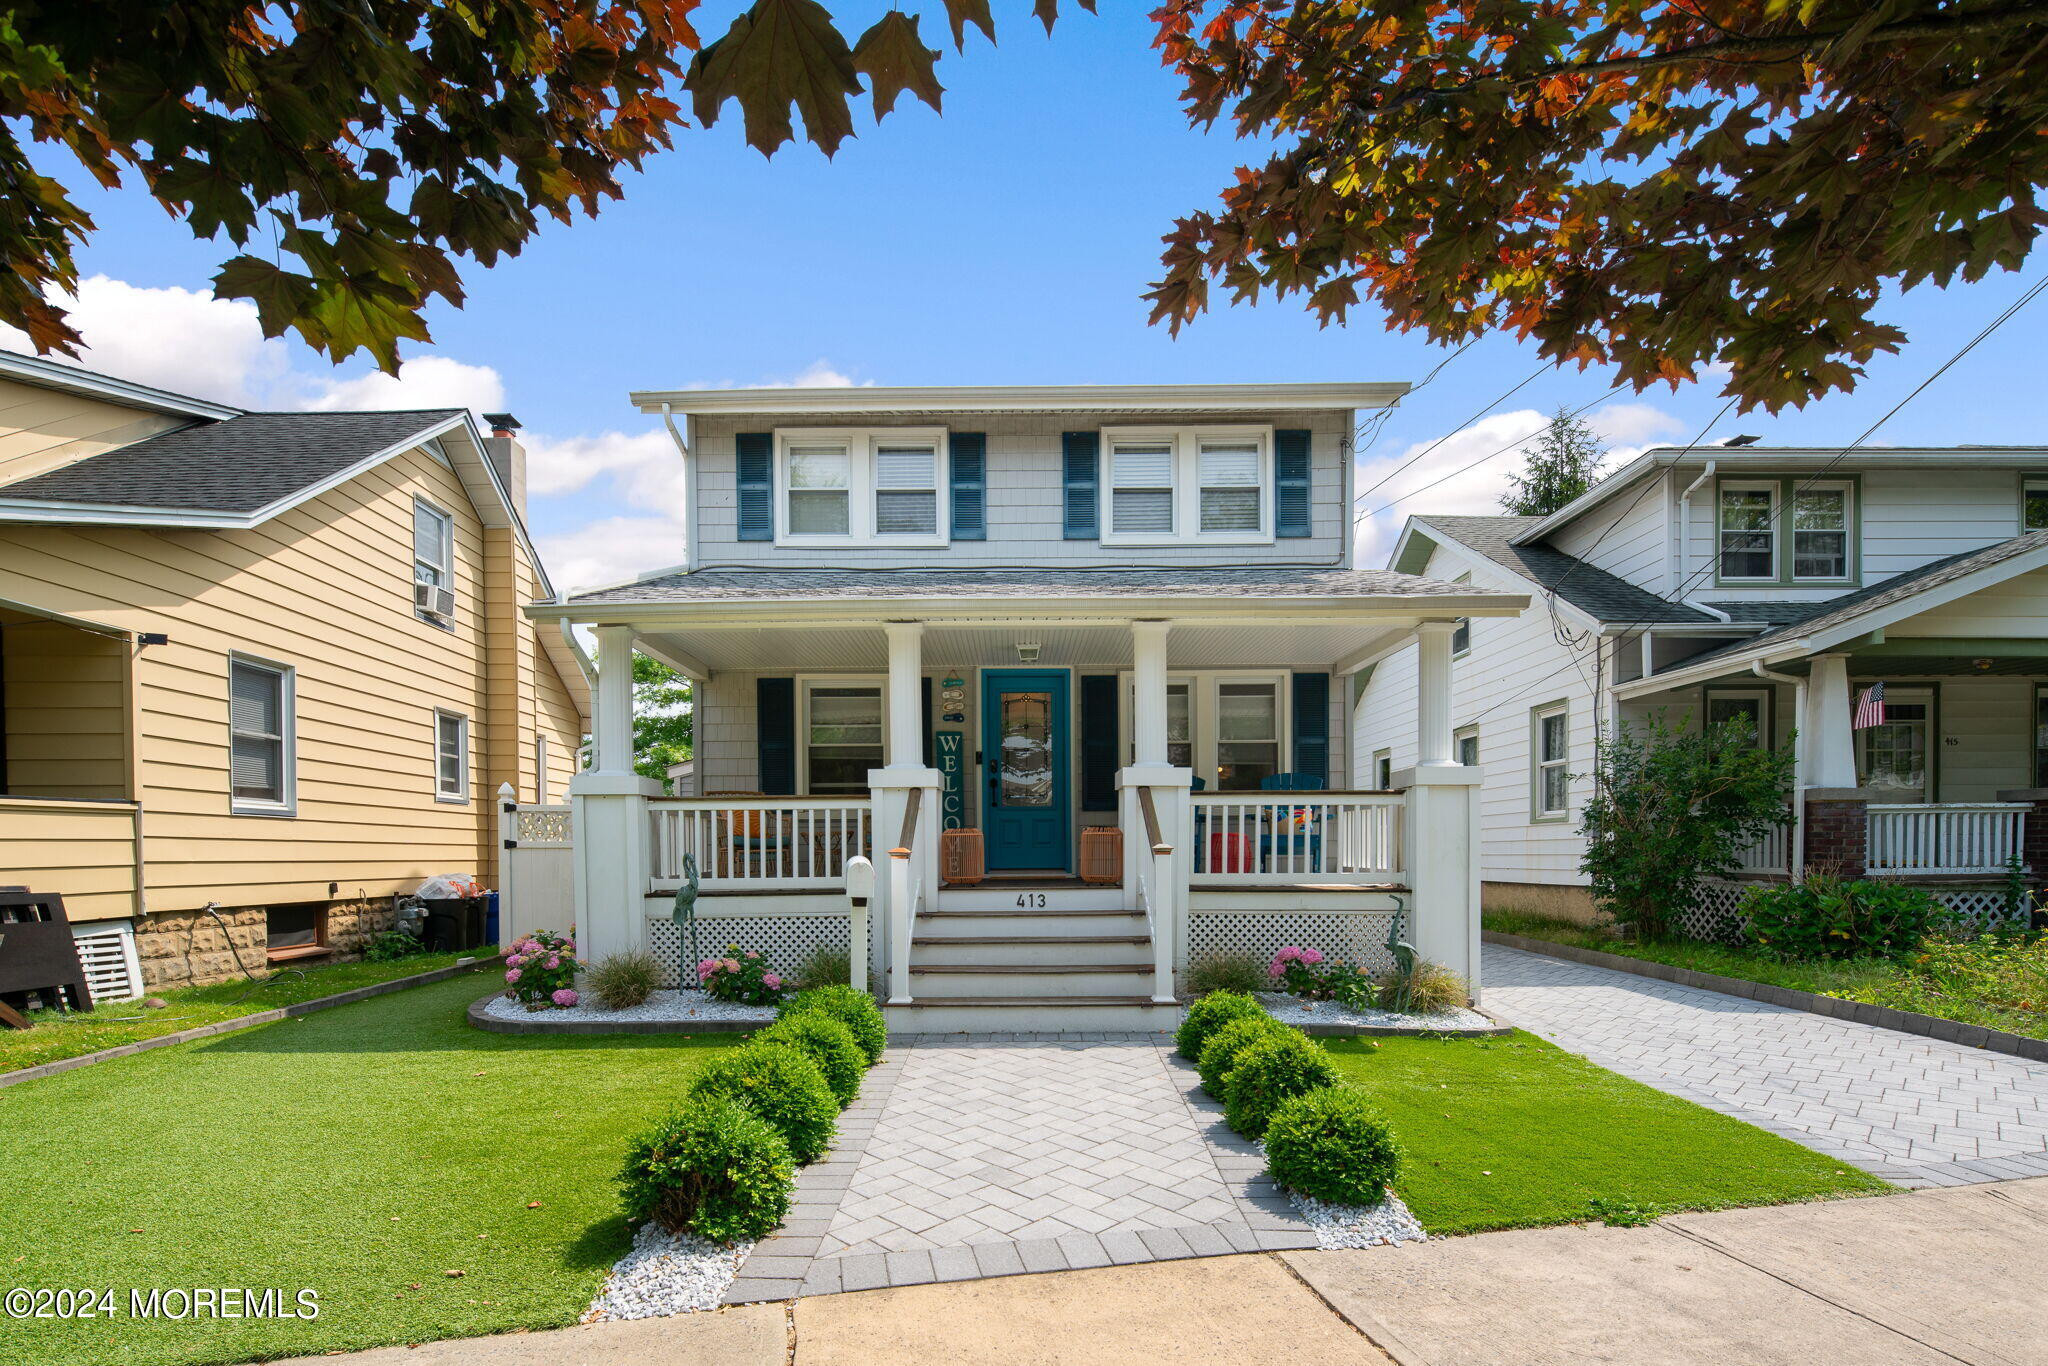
x=237, y=466
x=1599, y=594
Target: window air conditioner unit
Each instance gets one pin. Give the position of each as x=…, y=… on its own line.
x=433, y=598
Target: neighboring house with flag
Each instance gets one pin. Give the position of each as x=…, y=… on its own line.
x=1884, y=613
x=259, y=671
x=1092, y=640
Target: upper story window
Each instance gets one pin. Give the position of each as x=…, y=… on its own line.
x=1165, y=486
x=433, y=562
x=1820, y=532
x=1787, y=530
x=2034, y=504
x=1749, y=531
x=847, y=487
x=261, y=742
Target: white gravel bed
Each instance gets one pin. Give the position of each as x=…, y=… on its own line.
x=1342, y=1226
x=667, y=1273
x=662, y=1005
x=1296, y=1011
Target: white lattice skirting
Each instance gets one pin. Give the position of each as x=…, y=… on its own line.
x=1354, y=936
x=1716, y=920
x=786, y=939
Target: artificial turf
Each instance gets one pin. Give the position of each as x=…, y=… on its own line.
x=1512, y=1132
x=364, y=1152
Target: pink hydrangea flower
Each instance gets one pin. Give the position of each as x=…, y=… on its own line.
x=770, y=981
x=554, y=961
x=1311, y=956
x=752, y=954
x=513, y=975
x=516, y=960
x=565, y=998
x=732, y=965
x=706, y=968
x=1287, y=955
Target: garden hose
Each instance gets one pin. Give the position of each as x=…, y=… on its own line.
x=211, y=908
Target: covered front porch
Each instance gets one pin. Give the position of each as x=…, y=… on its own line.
x=1146, y=781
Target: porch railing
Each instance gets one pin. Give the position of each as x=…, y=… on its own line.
x=1269, y=838
x=760, y=843
x=1157, y=890
x=1944, y=838
x=1772, y=853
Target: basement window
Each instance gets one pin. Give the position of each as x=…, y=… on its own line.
x=296, y=931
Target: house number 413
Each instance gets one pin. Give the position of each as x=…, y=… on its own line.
x=1030, y=901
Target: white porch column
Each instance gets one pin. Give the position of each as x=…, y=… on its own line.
x=903, y=883
x=905, y=694
x=1441, y=825
x=1148, y=704
x=609, y=814
x=1433, y=694
x=1826, y=731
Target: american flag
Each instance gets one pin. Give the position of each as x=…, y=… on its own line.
x=1870, y=707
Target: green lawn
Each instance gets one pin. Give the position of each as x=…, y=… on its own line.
x=1999, y=985
x=363, y=1152
x=1512, y=1132
x=59, y=1035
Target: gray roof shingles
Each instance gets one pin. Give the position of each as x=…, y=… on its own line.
x=728, y=585
x=237, y=465
x=1596, y=592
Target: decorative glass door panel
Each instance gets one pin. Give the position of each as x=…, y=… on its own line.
x=1026, y=771
x=1027, y=823
x=1893, y=757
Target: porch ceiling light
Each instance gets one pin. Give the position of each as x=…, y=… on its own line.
x=1027, y=652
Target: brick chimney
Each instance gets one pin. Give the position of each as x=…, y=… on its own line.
x=508, y=458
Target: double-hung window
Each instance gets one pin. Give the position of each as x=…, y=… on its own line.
x=1820, y=531
x=2034, y=504
x=1247, y=735
x=846, y=487
x=433, y=562
x=451, y=757
x=1749, y=531
x=1187, y=486
x=842, y=737
x=1230, y=728
x=1466, y=741
x=1551, y=740
x=1383, y=769
x=260, y=739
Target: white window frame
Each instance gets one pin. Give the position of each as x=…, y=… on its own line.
x=1538, y=764
x=1775, y=528
x=1458, y=739
x=1187, y=486
x=805, y=684
x=1382, y=770
x=2031, y=484
x=288, y=802
x=1790, y=552
x=1204, y=694
x=459, y=794
x=860, y=443
x=540, y=768
x=446, y=569
x=1461, y=629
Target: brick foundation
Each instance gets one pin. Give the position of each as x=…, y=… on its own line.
x=2034, y=830
x=1837, y=832
x=189, y=949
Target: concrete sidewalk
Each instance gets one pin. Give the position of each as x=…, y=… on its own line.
x=1936, y=1276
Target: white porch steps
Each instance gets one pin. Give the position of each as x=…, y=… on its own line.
x=1078, y=962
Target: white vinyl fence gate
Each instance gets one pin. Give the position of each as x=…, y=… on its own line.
x=536, y=889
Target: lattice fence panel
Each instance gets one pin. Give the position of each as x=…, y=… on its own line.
x=786, y=939
x=1716, y=920
x=1979, y=908
x=1354, y=936
x=545, y=827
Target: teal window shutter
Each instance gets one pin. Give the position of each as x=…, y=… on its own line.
x=1312, y=726
x=967, y=455
x=1290, y=482
x=754, y=466
x=1081, y=461
x=1098, y=742
x=775, y=735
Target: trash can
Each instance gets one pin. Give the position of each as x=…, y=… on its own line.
x=491, y=919
x=454, y=924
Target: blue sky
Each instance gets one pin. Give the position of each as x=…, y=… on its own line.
x=1008, y=241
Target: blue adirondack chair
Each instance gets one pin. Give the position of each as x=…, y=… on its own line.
x=1295, y=834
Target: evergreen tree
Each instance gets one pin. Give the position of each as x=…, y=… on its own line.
x=1562, y=464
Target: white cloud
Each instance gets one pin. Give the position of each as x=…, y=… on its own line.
x=170, y=338
x=422, y=382
x=641, y=471
x=819, y=374
x=1629, y=429
x=611, y=549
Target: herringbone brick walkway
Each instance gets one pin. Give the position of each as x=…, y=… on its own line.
x=1913, y=1110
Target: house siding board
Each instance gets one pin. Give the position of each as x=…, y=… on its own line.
x=1627, y=536
x=42, y=431
x=1026, y=499
x=66, y=712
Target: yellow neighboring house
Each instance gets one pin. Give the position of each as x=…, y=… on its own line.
x=268, y=663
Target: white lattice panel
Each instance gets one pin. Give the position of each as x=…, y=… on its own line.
x=1978, y=908
x=1716, y=920
x=1354, y=936
x=786, y=939
x=542, y=827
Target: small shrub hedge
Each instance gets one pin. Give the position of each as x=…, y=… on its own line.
x=826, y=1042
x=1331, y=1144
x=854, y=1009
x=1828, y=917
x=1220, y=1054
x=1213, y=972
x=1427, y=989
x=621, y=981
x=713, y=1168
x=1210, y=1014
x=780, y=1085
x=1272, y=1071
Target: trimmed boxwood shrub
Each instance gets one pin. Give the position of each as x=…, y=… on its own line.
x=1273, y=1070
x=1208, y=1015
x=854, y=1009
x=1331, y=1144
x=826, y=1042
x=713, y=1168
x=780, y=1085
x=1219, y=1055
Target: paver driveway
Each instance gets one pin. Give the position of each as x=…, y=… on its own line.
x=979, y=1155
x=1913, y=1110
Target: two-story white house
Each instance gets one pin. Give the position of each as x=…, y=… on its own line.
x=1778, y=584
x=1032, y=613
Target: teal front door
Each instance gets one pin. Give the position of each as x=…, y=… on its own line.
x=1026, y=821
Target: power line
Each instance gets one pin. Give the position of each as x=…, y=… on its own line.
x=1363, y=495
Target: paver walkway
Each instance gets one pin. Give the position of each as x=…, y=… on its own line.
x=980, y=1155
x=1913, y=1110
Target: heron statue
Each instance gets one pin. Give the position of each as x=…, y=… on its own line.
x=685, y=916
x=1404, y=959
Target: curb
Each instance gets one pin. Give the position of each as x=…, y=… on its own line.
x=1861, y=1012
x=492, y=1024
x=261, y=1017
